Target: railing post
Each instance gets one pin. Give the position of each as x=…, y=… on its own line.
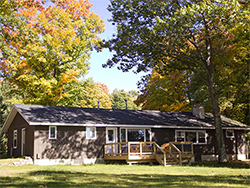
x=182, y=148
x=105, y=149
x=192, y=148
x=164, y=159
x=120, y=149
x=180, y=160
x=154, y=149
x=128, y=149
x=170, y=148
x=112, y=149
x=140, y=148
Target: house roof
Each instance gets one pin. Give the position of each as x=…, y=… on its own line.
x=73, y=116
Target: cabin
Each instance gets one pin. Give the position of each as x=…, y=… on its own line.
x=71, y=135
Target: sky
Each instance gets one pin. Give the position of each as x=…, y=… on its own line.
x=112, y=77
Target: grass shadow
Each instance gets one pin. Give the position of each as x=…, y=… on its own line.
x=230, y=164
x=54, y=178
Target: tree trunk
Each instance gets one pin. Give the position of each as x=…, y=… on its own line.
x=217, y=123
x=216, y=112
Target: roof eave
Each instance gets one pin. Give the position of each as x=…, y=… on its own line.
x=11, y=117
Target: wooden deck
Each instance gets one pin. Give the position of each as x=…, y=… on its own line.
x=141, y=152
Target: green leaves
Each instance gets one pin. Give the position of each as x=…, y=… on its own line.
x=124, y=100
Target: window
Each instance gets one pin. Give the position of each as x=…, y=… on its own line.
x=229, y=133
x=90, y=133
x=15, y=139
x=52, y=132
x=197, y=137
x=111, y=135
x=202, y=137
x=135, y=134
x=180, y=137
x=191, y=137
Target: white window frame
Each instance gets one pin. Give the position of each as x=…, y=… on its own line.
x=228, y=136
x=197, y=135
x=52, y=138
x=88, y=136
x=126, y=133
x=23, y=137
x=115, y=135
x=120, y=135
x=15, y=138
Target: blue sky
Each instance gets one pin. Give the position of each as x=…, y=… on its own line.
x=112, y=77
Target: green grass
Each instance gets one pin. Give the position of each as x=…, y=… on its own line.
x=122, y=176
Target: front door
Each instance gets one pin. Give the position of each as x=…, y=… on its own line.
x=111, y=137
x=23, y=142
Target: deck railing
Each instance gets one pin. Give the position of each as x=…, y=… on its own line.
x=135, y=151
x=142, y=151
x=178, y=150
x=160, y=154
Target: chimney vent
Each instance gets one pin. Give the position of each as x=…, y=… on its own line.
x=198, y=111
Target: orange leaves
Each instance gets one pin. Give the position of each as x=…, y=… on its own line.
x=4, y=65
x=30, y=3
x=47, y=19
x=28, y=12
x=78, y=8
x=12, y=32
x=103, y=87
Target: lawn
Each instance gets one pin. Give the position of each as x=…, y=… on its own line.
x=101, y=175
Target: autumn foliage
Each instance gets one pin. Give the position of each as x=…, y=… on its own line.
x=165, y=92
x=46, y=45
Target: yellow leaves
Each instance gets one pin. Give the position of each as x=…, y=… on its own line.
x=69, y=76
x=177, y=106
x=42, y=59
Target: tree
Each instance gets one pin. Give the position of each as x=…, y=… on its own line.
x=46, y=49
x=3, y=108
x=3, y=139
x=124, y=100
x=165, y=92
x=179, y=35
x=96, y=96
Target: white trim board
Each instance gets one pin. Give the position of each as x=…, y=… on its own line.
x=132, y=126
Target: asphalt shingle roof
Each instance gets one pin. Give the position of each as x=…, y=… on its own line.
x=73, y=115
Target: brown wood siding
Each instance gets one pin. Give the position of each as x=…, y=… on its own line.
x=205, y=149
x=71, y=143
x=18, y=124
x=233, y=146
